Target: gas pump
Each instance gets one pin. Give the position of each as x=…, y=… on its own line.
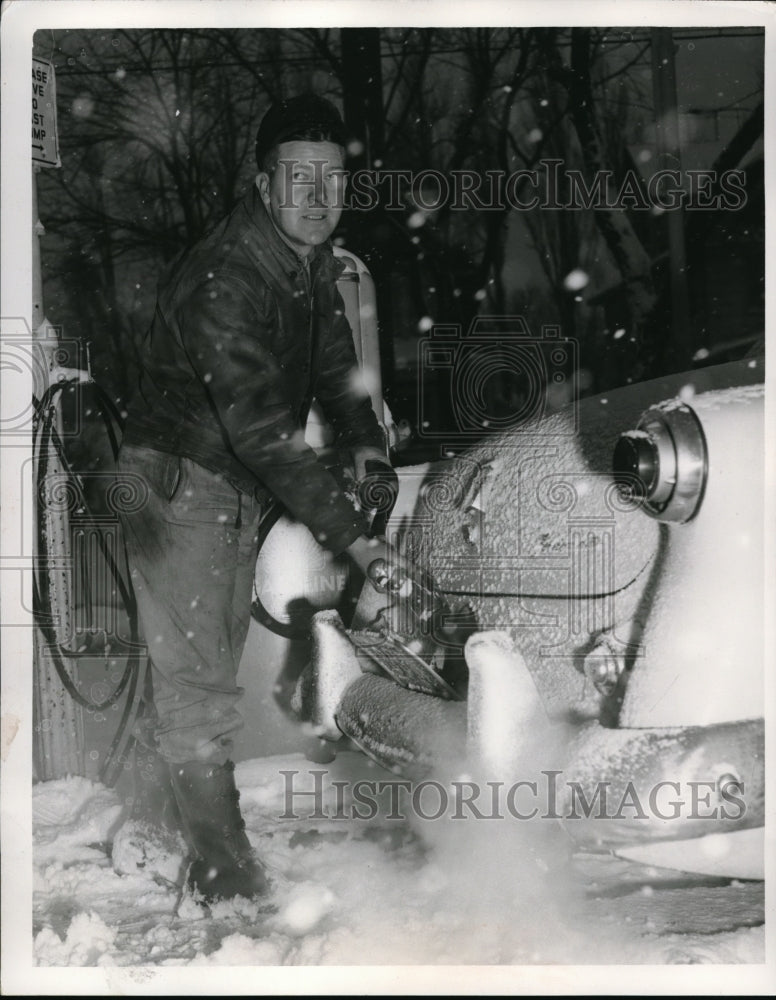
x=357, y=289
x=71, y=547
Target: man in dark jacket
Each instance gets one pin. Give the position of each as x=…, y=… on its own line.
x=249, y=327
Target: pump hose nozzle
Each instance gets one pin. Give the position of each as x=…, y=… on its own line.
x=382, y=579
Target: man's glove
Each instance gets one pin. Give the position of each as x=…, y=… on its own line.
x=361, y=454
x=377, y=488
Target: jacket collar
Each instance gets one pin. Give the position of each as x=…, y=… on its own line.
x=320, y=260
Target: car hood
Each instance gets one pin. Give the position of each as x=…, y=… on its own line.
x=529, y=530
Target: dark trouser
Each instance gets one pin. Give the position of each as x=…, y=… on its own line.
x=192, y=547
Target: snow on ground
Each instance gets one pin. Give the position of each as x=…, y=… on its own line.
x=350, y=891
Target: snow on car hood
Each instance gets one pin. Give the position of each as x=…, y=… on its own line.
x=529, y=529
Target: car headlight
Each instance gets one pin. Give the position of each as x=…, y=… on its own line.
x=664, y=461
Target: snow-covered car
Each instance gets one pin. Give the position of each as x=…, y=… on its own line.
x=603, y=567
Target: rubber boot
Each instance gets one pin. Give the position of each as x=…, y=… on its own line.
x=224, y=863
x=150, y=840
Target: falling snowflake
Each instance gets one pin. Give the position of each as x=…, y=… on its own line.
x=83, y=106
x=575, y=280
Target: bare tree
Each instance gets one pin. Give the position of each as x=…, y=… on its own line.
x=157, y=143
x=155, y=150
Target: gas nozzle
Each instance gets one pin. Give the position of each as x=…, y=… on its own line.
x=664, y=462
x=382, y=579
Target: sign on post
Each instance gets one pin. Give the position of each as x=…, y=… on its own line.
x=45, y=143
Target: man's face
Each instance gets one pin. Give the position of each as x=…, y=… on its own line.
x=304, y=192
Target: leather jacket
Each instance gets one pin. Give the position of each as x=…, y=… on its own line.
x=244, y=336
